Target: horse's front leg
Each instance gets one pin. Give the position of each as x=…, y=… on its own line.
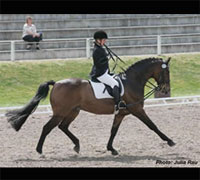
x=117, y=121
x=140, y=113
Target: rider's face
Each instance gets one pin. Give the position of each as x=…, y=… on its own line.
x=101, y=41
x=29, y=21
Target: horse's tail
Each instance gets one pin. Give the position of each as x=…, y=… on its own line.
x=18, y=117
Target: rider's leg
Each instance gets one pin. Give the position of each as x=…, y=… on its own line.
x=110, y=81
x=119, y=104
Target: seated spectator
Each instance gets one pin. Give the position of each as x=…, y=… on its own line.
x=30, y=34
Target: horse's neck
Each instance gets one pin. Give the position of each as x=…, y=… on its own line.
x=140, y=78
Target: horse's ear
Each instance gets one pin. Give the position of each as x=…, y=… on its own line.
x=167, y=62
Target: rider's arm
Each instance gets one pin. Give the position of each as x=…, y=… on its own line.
x=100, y=58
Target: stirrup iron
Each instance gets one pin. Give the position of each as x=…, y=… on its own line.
x=123, y=105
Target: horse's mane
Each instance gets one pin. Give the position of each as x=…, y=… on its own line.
x=142, y=63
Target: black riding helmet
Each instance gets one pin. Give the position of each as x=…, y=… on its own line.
x=100, y=35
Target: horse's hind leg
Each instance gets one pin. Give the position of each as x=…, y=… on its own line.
x=146, y=120
x=52, y=123
x=65, y=125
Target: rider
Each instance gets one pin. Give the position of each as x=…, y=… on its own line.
x=100, y=69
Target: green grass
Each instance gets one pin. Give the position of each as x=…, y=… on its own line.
x=20, y=80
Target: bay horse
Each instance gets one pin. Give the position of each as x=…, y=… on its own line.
x=69, y=96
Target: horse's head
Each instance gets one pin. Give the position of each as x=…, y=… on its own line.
x=148, y=68
x=161, y=76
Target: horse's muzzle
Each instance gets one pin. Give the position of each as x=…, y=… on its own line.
x=165, y=88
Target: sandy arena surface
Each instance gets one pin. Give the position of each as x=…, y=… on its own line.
x=137, y=145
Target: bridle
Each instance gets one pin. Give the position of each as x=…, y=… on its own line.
x=162, y=80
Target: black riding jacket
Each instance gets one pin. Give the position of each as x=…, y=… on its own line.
x=100, y=60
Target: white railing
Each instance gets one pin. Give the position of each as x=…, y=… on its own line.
x=172, y=101
x=158, y=45
x=14, y=42
x=156, y=102
x=88, y=41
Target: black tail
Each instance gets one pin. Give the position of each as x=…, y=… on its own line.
x=18, y=117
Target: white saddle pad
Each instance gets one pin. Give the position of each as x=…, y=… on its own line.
x=98, y=89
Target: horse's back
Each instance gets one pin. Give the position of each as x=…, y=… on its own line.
x=71, y=81
x=66, y=86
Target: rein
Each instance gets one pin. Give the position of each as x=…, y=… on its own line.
x=146, y=96
x=111, y=53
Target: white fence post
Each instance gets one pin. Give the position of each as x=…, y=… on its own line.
x=88, y=48
x=158, y=45
x=12, y=51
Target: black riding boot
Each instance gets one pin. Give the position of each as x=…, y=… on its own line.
x=117, y=98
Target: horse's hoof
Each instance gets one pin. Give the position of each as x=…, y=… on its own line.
x=114, y=153
x=171, y=143
x=39, y=150
x=77, y=149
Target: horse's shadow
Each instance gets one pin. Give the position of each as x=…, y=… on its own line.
x=126, y=159
x=120, y=158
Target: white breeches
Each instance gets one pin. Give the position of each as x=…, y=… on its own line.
x=108, y=80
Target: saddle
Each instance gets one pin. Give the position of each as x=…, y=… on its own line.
x=102, y=90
